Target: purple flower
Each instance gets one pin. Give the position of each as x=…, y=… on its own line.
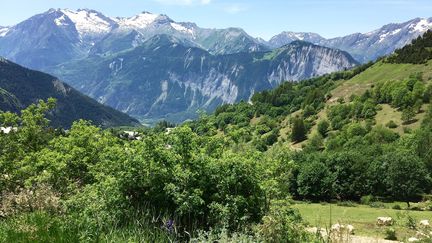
x=169, y=225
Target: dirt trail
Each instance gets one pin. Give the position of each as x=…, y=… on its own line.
x=351, y=238
x=365, y=239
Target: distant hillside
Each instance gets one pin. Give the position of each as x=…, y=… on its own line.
x=367, y=46
x=418, y=52
x=380, y=94
x=164, y=78
x=20, y=87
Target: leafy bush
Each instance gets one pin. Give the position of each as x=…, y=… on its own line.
x=323, y=127
x=282, y=224
x=397, y=207
x=411, y=222
x=391, y=124
x=298, y=132
x=390, y=234
x=314, y=181
x=368, y=199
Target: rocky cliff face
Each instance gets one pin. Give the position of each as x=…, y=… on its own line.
x=163, y=78
x=153, y=67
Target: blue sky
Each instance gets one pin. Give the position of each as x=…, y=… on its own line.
x=260, y=18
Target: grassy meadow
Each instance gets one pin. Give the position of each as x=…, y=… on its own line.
x=362, y=217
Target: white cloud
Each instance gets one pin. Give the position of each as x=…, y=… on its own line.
x=235, y=8
x=184, y=2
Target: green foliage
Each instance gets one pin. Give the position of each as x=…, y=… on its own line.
x=391, y=124
x=401, y=94
x=407, y=176
x=298, y=132
x=36, y=227
x=314, y=181
x=390, y=234
x=323, y=127
x=417, y=52
x=230, y=172
x=407, y=115
x=21, y=87
x=397, y=207
x=315, y=143
x=342, y=114
x=283, y=224
x=411, y=222
x=366, y=200
x=104, y=181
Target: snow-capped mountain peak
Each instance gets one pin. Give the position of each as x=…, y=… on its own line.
x=88, y=22
x=139, y=21
x=421, y=25
x=288, y=37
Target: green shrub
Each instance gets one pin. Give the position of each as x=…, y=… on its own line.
x=366, y=200
x=390, y=234
x=323, y=127
x=391, y=124
x=397, y=207
x=411, y=222
x=407, y=130
x=282, y=224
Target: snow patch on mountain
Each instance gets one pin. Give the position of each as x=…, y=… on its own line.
x=364, y=47
x=61, y=21
x=421, y=26
x=3, y=31
x=87, y=22
x=139, y=21
x=384, y=36
x=287, y=37
x=181, y=28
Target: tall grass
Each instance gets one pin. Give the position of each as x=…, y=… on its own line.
x=43, y=227
x=36, y=227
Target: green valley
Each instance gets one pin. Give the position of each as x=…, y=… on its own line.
x=348, y=152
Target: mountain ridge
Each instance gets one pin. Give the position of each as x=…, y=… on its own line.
x=20, y=87
x=94, y=33
x=73, y=34
x=193, y=78
x=368, y=46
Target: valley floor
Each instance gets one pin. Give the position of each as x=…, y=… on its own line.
x=363, y=218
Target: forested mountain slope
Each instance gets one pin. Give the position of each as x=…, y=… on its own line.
x=20, y=87
x=164, y=78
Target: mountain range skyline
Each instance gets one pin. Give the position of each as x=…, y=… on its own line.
x=182, y=67
x=97, y=31
x=253, y=16
x=315, y=36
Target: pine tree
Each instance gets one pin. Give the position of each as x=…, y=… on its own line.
x=298, y=133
